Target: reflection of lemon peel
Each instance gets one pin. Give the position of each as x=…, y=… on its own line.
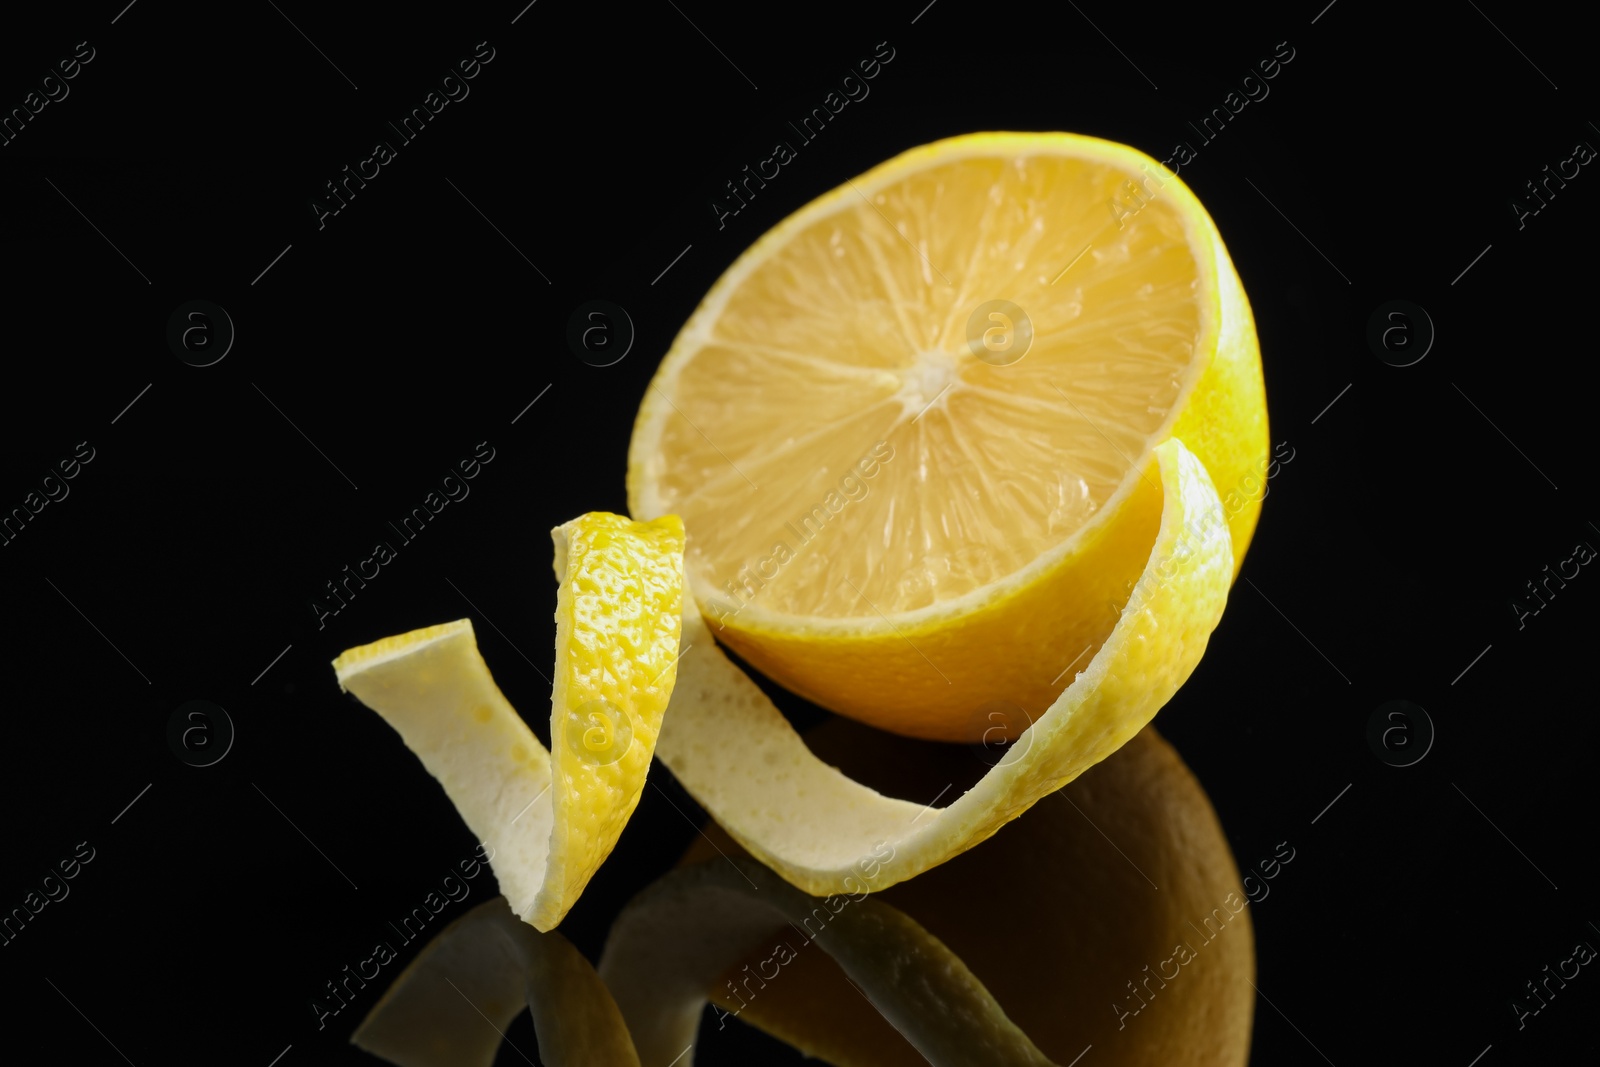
x=743, y=762
x=617, y=627
x=1137, y=820
x=452, y=1005
x=669, y=946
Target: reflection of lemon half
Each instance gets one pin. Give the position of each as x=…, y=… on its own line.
x=618, y=614
x=670, y=943
x=1146, y=950
x=905, y=428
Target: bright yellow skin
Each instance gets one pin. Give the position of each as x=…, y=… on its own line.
x=549, y=822
x=618, y=618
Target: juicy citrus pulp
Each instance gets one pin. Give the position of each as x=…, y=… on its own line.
x=618, y=616
x=904, y=428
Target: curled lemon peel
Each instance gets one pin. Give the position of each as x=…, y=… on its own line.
x=741, y=760
x=549, y=817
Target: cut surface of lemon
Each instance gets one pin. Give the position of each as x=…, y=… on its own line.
x=452, y=1005
x=904, y=429
x=823, y=832
x=550, y=817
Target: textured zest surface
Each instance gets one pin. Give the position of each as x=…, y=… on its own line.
x=972, y=555
x=671, y=944
x=618, y=615
x=617, y=627
x=744, y=763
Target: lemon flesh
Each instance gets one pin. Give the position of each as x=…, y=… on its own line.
x=550, y=817
x=900, y=522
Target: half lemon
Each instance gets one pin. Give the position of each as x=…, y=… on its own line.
x=905, y=428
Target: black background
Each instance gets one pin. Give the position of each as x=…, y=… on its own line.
x=415, y=324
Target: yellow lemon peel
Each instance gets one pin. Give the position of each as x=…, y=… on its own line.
x=549, y=820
